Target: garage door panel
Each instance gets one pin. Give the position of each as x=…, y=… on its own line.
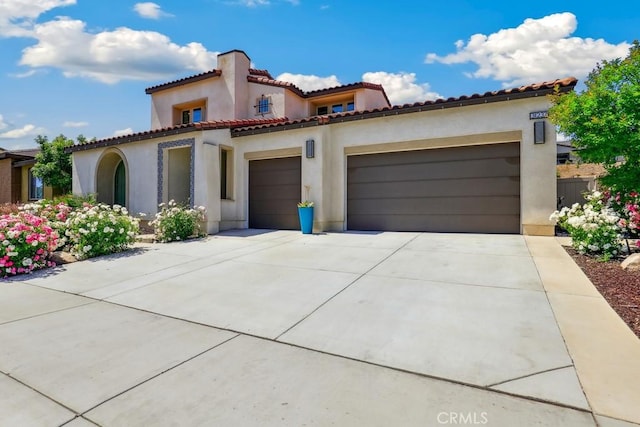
x=437, y=206
x=274, y=191
x=421, y=171
x=443, y=223
x=273, y=178
x=461, y=189
x=495, y=186
x=437, y=155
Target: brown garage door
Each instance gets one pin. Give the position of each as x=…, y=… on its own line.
x=462, y=189
x=274, y=191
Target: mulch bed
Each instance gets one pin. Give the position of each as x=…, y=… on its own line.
x=621, y=288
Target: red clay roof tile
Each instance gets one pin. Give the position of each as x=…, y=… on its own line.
x=254, y=126
x=173, y=130
x=564, y=85
x=183, y=81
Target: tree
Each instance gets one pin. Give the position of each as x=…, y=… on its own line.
x=603, y=121
x=53, y=165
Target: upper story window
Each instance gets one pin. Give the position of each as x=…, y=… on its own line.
x=190, y=112
x=263, y=105
x=193, y=115
x=36, y=187
x=335, y=107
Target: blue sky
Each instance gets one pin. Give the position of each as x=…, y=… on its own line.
x=81, y=66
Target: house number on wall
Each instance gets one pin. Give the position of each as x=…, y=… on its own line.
x=536, y=115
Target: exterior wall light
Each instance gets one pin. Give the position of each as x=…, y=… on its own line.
x=310, y=149
x=538, y=132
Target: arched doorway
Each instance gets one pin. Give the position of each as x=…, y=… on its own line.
x=112, y=179
x=120, y=185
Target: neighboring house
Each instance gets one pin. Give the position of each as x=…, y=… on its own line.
x=248, y=148
x=17, y=183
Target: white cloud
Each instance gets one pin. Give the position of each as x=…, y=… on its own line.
x=23, y=75
x=122, y=132
x=537, y=50
x=3, y=124
x=150, y=10
x=75, y=124
x=17, y=17
x=309, y=82
x=26, y=130
x=401, y=88
x=111, y=56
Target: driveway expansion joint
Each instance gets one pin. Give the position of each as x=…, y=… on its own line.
x=360, y=276
x=8, y=375
x=160, y=373
x=528, y=375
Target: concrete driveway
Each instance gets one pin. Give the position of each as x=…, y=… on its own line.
x=357, y=329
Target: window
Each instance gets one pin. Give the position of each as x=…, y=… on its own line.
x=263, y=105
x=335, y=107
x=197, y=115
x=190, y=112
x=192, y=116
x=36, y=187
x=226, y=173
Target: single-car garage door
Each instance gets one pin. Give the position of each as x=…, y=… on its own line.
x=461, y=189
x=274, y=191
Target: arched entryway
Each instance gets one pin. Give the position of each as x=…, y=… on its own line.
x=112, y=179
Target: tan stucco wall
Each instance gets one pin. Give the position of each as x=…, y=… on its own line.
x=485, y=124
x=325, y=174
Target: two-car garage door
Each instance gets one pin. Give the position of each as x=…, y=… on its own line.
x=461, y=189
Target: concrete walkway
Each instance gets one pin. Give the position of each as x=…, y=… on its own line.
x=277, y=328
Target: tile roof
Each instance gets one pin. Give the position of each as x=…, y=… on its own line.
x=263, y=73
x=272, y=82
x=22, y=154
x=173, y=130
x=257, y=126
x=319, y=92
x=183, y=81
x=527, y=91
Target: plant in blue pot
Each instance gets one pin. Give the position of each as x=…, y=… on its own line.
x=305, y=213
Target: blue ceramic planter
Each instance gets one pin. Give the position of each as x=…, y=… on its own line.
x=306, y=219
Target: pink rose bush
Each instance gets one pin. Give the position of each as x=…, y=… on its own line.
x=25, y=243
x=28, y=236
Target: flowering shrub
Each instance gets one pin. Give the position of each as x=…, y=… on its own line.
x=25, y=243
x=594, y=227
x=55, y=213
x=98, y=230
x=175, y=222
x=8, y=208
x=627, y=206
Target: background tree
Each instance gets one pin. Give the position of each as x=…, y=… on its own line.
x=53, y=165
x=603, y=121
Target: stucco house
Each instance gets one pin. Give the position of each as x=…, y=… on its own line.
x=249, y=147
x=17, y=183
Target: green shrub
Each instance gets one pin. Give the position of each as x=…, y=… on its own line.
x=175, y=222
x=99, y=230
